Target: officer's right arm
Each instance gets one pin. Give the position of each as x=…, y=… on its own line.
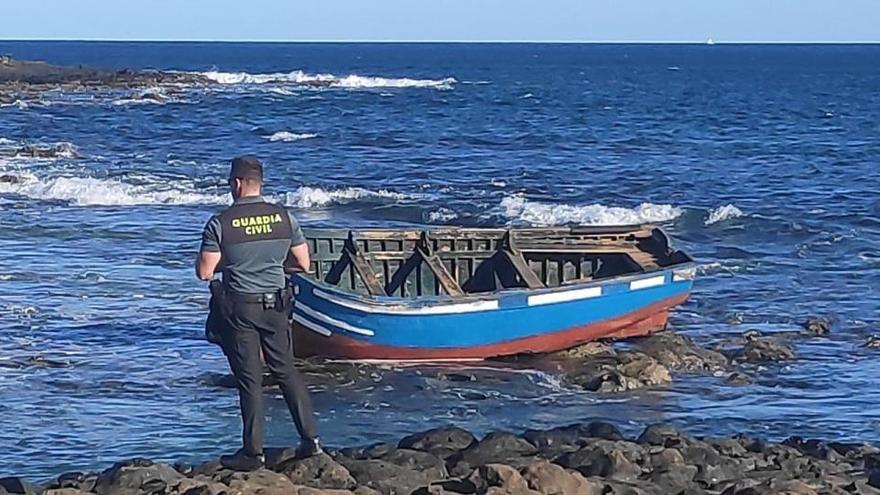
x=209, y=253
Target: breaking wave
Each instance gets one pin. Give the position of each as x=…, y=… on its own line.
x=441, y=215
x=311, y=197
x=518, y=209
x=326, y=80
x=90, y=191
x=289, y=137
x=723, y=213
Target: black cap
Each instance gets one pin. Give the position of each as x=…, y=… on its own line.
x=246, y=167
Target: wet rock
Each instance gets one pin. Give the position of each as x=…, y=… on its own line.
x=16, y=485
x=606, y=459
x=552, y=479
x=873, y=342
x=569, y=438
x=319, y=471
x=817, y=326
x=495, y=448
x=586, y=351
x=751, y=335
x=627, y=371
x=10, y=179
x=439, y=441
x=62, y=150
x=663, y=435
x=136, y=477
x=763, y=350
x=678, y=352
x=739, y=378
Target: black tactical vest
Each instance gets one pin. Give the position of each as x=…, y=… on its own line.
x=255, y=239
x=249, y=222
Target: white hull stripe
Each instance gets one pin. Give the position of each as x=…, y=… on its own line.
x=312, y=325
x=647, y=282
x=439, y=309
x=571, y=295
x=331, y=321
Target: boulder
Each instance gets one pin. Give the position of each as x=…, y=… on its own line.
x=319, y=471
x=817, y=326
x=16, y=485
x=387, y=477
x=200, y=485
x=678, y=352
x=615, y=460
x=441, y=442
x=499, y=479
x=136, y=477
x=763, y=351
x=496, y=448
x=626, y=371
x=663, y=435
x=260, y=482
x=552, y=479
x=557, y=441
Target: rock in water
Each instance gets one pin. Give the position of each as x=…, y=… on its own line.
x=764, y=350
x=817, y=326
x=873, y=342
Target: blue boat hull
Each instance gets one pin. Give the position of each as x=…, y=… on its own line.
x=335, y=323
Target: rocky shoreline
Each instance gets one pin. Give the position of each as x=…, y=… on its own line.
x=25, y=81
x=588, y=458
x=581, y=459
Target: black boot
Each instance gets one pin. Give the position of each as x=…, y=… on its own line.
x=239, y=461
x=309, y=447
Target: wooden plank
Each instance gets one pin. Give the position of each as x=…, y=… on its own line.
x=522, y=269
x=446, y=281
x=366, y=273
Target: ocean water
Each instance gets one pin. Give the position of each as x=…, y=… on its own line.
x=761, y=161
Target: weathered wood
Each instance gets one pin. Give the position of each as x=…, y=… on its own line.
x=444, y=278
x=522, y=269
x=366, y=273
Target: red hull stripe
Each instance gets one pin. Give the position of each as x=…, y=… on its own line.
x=642, y=322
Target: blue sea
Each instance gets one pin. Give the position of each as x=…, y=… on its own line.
x=763, y=162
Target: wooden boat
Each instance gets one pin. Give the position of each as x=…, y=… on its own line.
x=471, y=294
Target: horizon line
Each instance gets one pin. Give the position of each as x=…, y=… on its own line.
x=708, y=41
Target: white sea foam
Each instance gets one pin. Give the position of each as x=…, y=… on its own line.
x=723, y=213
x=311, y=197
x=90, y=191
x=441, y=215
x=518, y=209
x=299, y=77
x=289, y=137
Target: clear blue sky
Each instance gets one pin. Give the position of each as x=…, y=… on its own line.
x=442, y=20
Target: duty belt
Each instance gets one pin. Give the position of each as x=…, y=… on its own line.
x=264, y=298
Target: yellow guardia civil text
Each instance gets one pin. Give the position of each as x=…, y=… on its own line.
x=256, y=225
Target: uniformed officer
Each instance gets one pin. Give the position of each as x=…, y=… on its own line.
x=249, y=242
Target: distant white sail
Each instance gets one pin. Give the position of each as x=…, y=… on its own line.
x=710, y=41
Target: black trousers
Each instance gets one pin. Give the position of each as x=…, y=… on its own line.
x=246, y=329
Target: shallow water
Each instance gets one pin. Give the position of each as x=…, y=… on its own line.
x=101, y=352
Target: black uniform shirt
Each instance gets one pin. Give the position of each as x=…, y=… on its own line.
x=251, y=266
